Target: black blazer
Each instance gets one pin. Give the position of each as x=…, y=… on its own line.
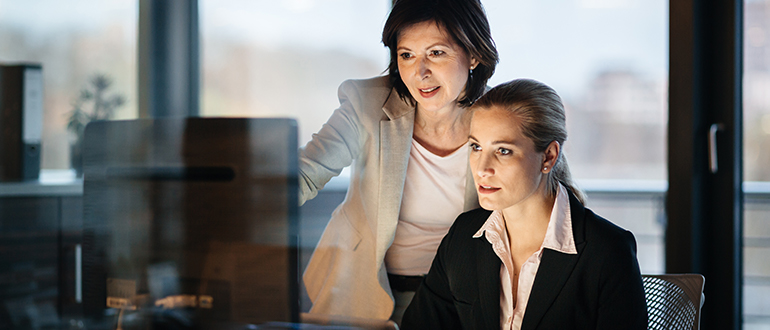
x=600, y=287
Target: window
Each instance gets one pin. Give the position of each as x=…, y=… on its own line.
x=74, y=41
x=608, y=60
x=287, y=58
x=756, y=157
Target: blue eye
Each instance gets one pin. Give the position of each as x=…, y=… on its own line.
x=504, y=151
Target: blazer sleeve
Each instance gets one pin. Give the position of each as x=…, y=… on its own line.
x=432, y=306
x=622, y=304
x=334, y=146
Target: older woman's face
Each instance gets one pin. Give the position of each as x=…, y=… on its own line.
x=433, y=67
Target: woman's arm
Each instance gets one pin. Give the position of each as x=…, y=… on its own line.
x=334, y=146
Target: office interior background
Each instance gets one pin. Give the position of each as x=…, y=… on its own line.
x=608, y=59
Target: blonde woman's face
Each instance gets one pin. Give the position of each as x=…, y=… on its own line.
x=432, y=66
x=506, y=168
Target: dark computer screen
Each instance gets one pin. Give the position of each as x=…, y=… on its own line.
x=190, y=223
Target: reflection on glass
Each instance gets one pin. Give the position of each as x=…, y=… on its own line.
x=189, y=223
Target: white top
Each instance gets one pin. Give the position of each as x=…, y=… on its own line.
x=558, y=237
x=434, y=194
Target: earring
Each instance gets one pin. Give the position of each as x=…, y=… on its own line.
x=545, y=168
x=471, y=73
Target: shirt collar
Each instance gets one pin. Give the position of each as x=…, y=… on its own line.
x=493, y=223
x=558, y=235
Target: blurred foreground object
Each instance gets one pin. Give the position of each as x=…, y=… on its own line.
x=190, y=223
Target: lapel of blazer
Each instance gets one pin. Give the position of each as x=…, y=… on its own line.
x=395, y=141
x=488, y=270
x=555, y=268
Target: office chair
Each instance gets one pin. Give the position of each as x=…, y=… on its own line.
x=674, y=301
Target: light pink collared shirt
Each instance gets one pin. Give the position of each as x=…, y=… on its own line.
x=558, y=237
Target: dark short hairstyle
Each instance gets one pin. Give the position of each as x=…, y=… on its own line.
x=466, y=22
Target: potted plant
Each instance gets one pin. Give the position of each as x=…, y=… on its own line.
x=95, y=102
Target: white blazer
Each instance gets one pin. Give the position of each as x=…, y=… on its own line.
x=373, y=127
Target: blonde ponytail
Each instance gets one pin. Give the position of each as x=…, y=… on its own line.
x=561, y=174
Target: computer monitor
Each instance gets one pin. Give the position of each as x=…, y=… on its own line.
x=190, y=222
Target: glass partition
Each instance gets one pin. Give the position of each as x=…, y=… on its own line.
x=87, y=51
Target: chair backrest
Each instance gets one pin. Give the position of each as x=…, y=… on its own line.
x=674, y=301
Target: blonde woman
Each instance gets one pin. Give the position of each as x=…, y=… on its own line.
x=533, y=257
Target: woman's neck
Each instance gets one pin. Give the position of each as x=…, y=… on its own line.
x=527, y=222
x=442, y=132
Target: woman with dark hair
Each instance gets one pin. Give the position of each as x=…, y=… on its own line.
x=406, y=135
x=533, y=257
